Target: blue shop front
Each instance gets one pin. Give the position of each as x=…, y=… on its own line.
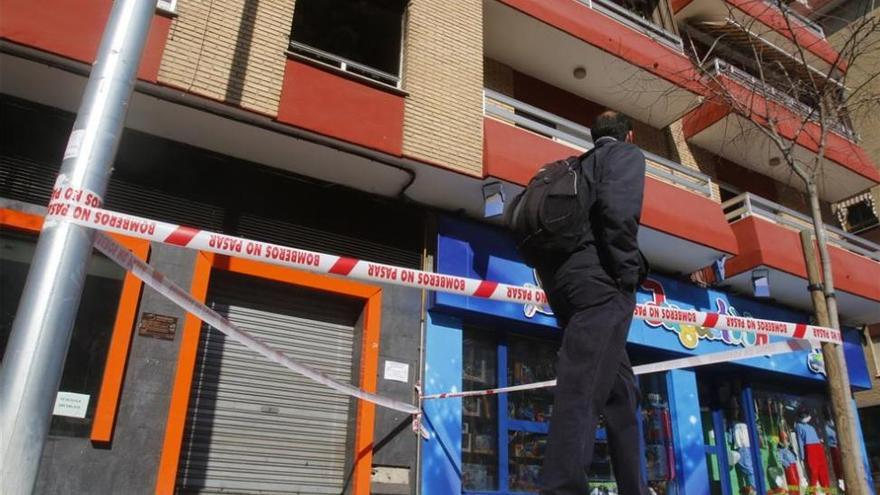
x=761, y=425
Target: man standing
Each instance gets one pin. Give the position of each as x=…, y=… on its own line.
x=592, y=293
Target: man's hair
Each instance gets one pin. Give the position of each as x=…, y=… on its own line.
x=611, y=123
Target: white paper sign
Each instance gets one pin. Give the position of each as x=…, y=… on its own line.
x=74, y=144
x=71, y=405
x=398, y=372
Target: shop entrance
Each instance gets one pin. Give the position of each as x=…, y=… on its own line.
x=766, y=439
x=727, y=437
x=253, y=427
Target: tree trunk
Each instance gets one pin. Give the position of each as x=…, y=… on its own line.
x=842, y=406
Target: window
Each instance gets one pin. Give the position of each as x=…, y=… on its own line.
x=504, y=437
x=797, y=440
x=479, y=426
x=84, y=365
x=359, y=36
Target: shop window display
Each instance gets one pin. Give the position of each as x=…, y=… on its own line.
x=504, y=437
x=657, y=434
x=727, y=439
x=84, y=364
x=529, y=412
x=798, y=444
x=479, y=435
x=525, y=455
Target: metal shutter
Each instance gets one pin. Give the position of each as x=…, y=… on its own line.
x=253, y=426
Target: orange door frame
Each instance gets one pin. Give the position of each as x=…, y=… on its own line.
x=366, y=412
x=120, y=340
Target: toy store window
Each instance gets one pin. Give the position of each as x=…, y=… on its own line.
x=84, y=364
x=727, y=437
x=479, y=426
x=657, y=434
x=529, y=360
x=797, y=441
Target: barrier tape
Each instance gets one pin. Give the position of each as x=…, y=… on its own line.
x=791, y=345
x=89, y=215
x=182, y=298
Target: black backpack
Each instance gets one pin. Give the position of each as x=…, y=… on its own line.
x=551, y=217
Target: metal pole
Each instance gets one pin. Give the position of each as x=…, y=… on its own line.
x=37, y=346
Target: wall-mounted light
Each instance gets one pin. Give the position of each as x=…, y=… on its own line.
x=761, y=282
x=493, y=199
x=719, y=268
x=579, y=72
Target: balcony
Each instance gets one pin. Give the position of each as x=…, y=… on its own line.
x=722, y=68
x=636, y=21
x=683, y=227
x=781, y=27
x=801, y=19
x=715, y=127
x=768, y=237
x=631, y=64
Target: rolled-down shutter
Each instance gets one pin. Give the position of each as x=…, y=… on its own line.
x=253, y=426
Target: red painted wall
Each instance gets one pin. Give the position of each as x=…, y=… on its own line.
x=773, y=18
x=607, y=34
x=73, y=29
x=762, y=242
x=514, y=155
x=687, y=215
x=331, y=104
x=837, y=148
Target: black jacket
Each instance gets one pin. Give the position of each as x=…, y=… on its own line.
x=618, y=175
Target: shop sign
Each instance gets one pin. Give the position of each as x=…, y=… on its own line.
x=530, y=310
x=690, y=335
x=157, y=326
x=471, y=250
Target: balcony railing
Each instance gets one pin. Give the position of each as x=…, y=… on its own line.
x=808, y=23
x=344, y=64
x=577, y=136
x=754, y=84
x=747, y=204
x=635, y=21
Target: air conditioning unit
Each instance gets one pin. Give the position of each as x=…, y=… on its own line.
x=858, y=214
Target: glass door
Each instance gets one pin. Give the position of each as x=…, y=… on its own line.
x=727, y=438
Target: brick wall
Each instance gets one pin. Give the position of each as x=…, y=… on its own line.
x=871, y=397
x=229, y=50
x=691, y=156
x=866, y=119
x=443, y=73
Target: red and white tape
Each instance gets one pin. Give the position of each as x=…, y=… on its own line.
x=790, y=345
x=182, y=298
x=88, y=215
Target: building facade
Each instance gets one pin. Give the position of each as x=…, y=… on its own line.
x=377, y=130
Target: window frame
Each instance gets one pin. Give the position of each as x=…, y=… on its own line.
x=110, y=390
x=350, y=67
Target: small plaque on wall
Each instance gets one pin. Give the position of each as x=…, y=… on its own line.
x=157, y=326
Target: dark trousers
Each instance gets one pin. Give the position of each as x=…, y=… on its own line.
x=594, y=377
